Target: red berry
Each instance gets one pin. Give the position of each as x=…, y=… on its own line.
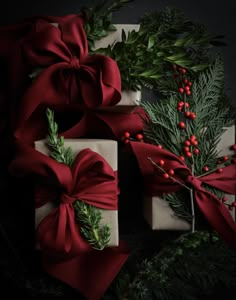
x=233, y=161
x=231, y=207
x=188, y=93
x=181, y=158
x=187, y=143
x=186, y=104
x=205, y=168
x=185, y=80
x=196, y=151
x=181, y=103
x=195, y=143
x=126, y=141
x=166, y=176
x=187, y=114
x=187, y=88
x=179, y=108
x=224, y=199
x=186, y=149
x=159, y=146
x=174, y=66
x=182, y=125
x=190, y=83
x=181, y=90
x=183, y=71
x=161, y=162
x=127, y=134
x=122, y=138
x=233, y=147
x=193, y=137
x=233, y=204
x=225, y=158
x=192, y=116
x=171, y=172
x=188, y=154
x=176, y=75
x=139, y=136
x=219, y=162
x=220, y=170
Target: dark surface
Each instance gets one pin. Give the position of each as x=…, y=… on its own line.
x=20, y=272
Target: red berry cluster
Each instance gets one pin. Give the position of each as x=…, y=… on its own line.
x=166, y=174
x=126, y=137
x=184, y=84
x=224, y=160
x=190, y=147
x=230, y=206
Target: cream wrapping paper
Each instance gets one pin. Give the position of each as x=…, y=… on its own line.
x=160, y=216
x=108, y=150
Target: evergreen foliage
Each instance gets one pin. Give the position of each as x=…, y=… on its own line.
x=88, y=216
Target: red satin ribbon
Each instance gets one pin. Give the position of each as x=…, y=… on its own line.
x=70, y=74
x=66, y=255
x=213, y=209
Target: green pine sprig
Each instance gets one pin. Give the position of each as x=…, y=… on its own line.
x=88, y=216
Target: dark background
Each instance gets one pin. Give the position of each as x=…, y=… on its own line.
x=218, y=16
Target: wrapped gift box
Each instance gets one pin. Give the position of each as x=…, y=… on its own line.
x=108, y=150
x=160, y=216
x=129, y=99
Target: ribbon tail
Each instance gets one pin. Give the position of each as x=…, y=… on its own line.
x=217, y=215
x=91, y=273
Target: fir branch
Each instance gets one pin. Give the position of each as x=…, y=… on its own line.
x=87, y=215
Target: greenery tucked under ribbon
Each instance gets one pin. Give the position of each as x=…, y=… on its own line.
x=145, y=57
x=88, y=216
x=213, y=114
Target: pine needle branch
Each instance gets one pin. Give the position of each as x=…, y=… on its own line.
x=87, y=215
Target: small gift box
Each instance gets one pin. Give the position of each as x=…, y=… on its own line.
x=160, y=216
x=108, y=150
x=129, y=99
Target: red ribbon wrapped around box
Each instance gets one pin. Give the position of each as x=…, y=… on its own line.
x=66, y=255
x=70, y=80
x=212, y=208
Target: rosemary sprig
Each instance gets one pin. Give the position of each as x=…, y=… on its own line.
x=87, y=215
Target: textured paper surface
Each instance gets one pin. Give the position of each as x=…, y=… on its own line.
x=108, y=150
x=160, y=216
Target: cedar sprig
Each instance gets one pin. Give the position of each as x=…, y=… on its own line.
x=213, y=116
x=89, y=217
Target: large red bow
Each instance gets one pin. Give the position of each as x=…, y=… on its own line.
x=70, y=74
x=65, y=254
x=213, y=209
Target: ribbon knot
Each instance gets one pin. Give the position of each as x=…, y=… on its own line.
x=66, y=199
x=74, y=63
x=193, y=181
